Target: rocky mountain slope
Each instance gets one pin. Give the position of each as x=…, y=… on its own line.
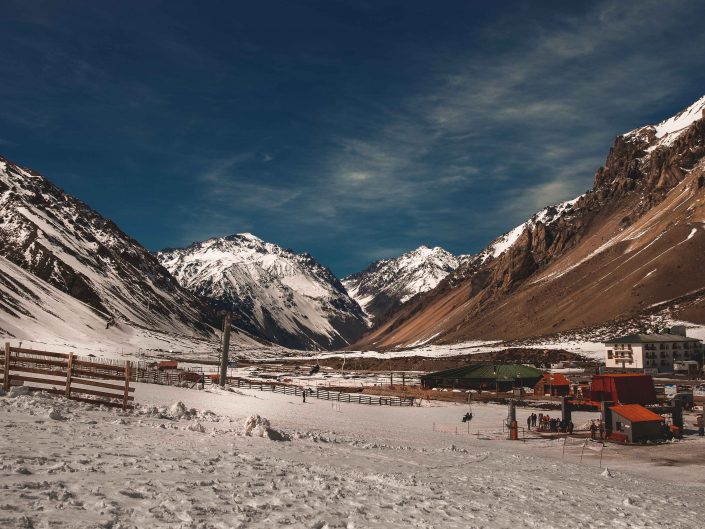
x=71, y=249
x=387, y=284
x=287, y=298
x=41, y=316
x=631, y=245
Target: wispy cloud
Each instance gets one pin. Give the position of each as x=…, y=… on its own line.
x=484, y=143
x=359, y=149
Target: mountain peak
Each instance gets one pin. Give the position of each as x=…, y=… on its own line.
x=388, y=283
x=670, y=129
x=249, y=236
x=282, y=296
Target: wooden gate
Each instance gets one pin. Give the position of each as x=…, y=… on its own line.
x=87, y=380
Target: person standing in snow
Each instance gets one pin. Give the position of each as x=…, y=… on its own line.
x=528, y=422
x=593, y=430
x=303, y=394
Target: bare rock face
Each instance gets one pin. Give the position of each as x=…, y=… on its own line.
x=582, y=262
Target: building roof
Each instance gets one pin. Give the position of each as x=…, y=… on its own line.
x=651, y=338
x=556, y=379
x=636, y=413
x=621, y=375
x=505, y=372
x=169, y=363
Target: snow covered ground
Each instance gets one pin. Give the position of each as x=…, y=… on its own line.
x=67, y=464
x=428, y=350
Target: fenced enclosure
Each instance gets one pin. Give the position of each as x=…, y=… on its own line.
x=314, y=392
x=153, y=374
x=90, y=380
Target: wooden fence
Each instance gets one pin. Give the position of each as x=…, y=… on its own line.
x=77, y=378
x=339, y=396
x=190, y=378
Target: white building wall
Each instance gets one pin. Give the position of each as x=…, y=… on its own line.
x=660, y=356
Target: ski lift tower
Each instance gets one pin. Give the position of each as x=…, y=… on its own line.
x=225, y=349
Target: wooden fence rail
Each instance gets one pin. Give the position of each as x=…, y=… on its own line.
x=86, y=380
x=339, y=396
x=190, y=378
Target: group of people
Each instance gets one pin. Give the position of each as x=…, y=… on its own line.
x=545, y=423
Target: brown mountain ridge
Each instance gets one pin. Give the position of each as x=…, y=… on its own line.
x=632, y=244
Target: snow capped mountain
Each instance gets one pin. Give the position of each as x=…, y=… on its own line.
x=287, y=298
x=669, y=130
x=64, y=243
x=388, y=283
x=41, y=316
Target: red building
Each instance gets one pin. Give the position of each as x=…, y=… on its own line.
x=623, y=389
x=553, y=384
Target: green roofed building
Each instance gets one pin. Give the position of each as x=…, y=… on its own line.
x=481, y=376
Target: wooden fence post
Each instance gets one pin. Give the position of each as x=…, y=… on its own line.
x=127, y=384
x=69, y=369
x=6, y=374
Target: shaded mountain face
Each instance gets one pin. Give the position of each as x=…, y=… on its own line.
x=61, y=241
x=631, y=246
x=287, y=298
x=387, y=284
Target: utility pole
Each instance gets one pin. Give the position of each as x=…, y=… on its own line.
x=226, y=349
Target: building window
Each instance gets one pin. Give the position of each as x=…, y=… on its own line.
x=610, y=354
x=618, y=425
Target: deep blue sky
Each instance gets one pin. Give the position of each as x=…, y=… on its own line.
x=353, y=130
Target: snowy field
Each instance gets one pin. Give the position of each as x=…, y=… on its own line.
x=67, y=464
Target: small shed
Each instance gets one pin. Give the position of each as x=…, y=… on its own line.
x=635, y=424
x=554, y=384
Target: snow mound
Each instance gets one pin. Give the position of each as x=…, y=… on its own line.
x=18, y=391
x=196, y=427
x=56, y=415
x=178, y=410
x=606, y=473
x=256, y=426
